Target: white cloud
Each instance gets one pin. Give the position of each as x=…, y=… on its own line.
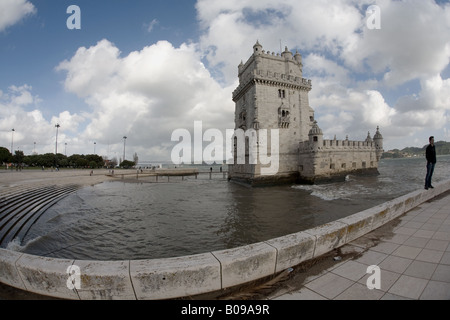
x=429, y=108
x=69, y=122
x=149, y=26
x=30, y=126
x=311, y=25
x=145, y=95
x=13, y=11
x=413, y=42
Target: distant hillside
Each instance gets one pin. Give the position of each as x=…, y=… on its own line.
x=442, y=148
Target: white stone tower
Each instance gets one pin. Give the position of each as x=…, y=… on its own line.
x=272, y=94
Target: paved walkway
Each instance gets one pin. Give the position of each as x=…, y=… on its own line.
x=413, y=256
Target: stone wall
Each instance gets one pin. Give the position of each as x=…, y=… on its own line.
x=335, y=159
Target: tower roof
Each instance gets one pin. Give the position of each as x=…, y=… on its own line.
x=315, y=130
x=257, y=47
x=378, y=134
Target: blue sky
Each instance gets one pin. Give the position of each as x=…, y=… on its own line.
x=145, y=68
x=32, y=48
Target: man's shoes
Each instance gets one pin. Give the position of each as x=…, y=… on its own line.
x=431, y=187
x=426, y=188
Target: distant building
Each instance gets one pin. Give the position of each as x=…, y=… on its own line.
x=272, y=94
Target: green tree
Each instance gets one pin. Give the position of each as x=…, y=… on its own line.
x=47, y=160
x=5, y=155
x=127, y=164
x=95, y=160
x=31, y=160
x=18, y=157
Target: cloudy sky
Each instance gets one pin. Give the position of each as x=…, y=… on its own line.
x=143, y=68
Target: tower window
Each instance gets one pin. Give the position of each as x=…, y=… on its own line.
x=281, y=94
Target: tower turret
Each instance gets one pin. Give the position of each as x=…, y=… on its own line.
x=378, y=139
x=287, y=54
x=315, y=136
x=298, y=57
x=257, y=48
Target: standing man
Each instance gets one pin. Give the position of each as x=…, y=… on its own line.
x=431, y=162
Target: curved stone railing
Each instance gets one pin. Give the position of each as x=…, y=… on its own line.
x=196, y=274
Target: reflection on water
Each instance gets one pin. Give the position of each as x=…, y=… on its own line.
x=118, y=220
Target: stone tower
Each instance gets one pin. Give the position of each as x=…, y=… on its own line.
x=272, y=94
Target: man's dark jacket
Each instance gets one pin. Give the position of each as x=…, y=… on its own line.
x=431, y=153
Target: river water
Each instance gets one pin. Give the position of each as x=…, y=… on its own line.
x=147, y=220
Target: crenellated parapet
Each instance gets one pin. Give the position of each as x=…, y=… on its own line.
x=336, y=145
x=268, y=68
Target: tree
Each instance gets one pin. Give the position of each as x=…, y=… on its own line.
x=47, y=160
x=127, y=164
x=94, y=160
x=18, y=157
x=5, y=155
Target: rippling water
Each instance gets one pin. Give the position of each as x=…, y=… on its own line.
x=145, y=220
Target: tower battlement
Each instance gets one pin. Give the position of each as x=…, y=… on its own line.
x=278, y=70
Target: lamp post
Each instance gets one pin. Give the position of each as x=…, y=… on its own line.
x=65, y=149
x=124, y=142
x=94, y=146
x=57, y=126
x=12, y=141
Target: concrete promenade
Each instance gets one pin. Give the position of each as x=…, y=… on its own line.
x=412, y=253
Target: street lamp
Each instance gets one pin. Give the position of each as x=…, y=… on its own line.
x=56, y=145
x=94, y=146
x=124, y=141
x=65, y=149
x=12, y=141
x=57, y=126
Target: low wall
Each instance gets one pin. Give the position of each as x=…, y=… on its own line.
x=196, y=274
